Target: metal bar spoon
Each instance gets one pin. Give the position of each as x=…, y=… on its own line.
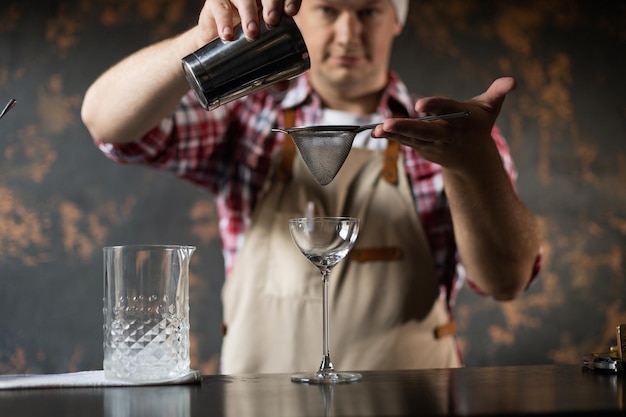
x=8, y=107
x=302, y=131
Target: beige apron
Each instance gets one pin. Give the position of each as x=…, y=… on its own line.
x=385, y=309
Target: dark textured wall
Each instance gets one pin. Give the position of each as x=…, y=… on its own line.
x=61, y=201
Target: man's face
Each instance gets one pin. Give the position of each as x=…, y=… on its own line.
x=349, y=42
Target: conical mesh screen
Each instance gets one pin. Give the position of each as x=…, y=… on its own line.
x=323, y=152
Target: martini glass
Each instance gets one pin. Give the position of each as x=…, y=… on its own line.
x=325, y=241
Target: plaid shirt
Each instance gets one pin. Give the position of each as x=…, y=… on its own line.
x=229, y=151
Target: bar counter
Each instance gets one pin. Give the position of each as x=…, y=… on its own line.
x=474, y=391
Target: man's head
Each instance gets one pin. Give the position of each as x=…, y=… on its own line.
x=349, y=43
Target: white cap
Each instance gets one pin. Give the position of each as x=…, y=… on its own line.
x=402, y=9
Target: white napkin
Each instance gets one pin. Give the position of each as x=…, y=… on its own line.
x=83, y=379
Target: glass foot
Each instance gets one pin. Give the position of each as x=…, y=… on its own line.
x=326, y=377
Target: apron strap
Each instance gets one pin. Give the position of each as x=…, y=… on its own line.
x=390, y=168
x=289, y=148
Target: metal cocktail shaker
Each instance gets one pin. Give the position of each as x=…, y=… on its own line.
x=222, y=71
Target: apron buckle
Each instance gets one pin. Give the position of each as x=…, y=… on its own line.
x=445, y=330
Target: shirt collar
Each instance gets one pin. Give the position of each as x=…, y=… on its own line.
x=396, y=97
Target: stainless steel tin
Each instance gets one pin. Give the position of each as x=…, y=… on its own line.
x=222, y=71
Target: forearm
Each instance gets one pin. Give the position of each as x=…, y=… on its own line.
x=134, y=95
x=496, y=235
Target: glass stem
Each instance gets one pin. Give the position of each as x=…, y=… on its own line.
x=326, y=365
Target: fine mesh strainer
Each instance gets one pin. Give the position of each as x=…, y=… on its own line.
x=324, y=149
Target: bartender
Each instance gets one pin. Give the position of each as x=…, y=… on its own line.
x=437, y=200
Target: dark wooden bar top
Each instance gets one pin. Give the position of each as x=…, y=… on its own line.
x=473, y=391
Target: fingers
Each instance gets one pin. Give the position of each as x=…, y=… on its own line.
x=229, y=13
x=490, y=100
x=496, y=93
x=249, y=15
x=217, y=16
x=500, y=88
x=413, y=132
x=292, y=7
x=438, y=105
x=274, y=9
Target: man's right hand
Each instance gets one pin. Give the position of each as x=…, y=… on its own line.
x=222, y=16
